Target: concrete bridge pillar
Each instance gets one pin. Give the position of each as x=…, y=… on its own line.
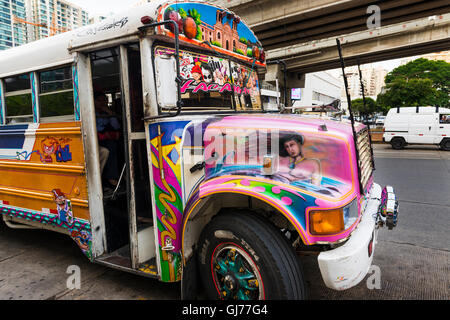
x=275, y=73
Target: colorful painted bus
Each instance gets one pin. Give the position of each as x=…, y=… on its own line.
x=144, y=139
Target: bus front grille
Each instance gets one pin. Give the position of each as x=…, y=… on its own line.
x=365, y=157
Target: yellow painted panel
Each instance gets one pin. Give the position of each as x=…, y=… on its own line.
x=55, y=167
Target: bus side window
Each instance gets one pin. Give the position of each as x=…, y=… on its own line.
x=18, y=102
x=56, y=95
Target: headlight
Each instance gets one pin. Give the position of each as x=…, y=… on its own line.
x=350, y=214
x=322, y=222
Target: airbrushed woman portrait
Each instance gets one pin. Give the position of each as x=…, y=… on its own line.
x=293, y=165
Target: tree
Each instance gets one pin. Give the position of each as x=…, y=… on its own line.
x=243, y=40
x=370, y=107
x=418, y=83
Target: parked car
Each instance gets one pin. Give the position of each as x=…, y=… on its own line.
x=417, y=125
x=380, y=120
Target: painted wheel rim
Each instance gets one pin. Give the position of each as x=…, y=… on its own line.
x=235, y=274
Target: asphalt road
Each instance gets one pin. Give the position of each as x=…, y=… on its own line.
x=413, y=259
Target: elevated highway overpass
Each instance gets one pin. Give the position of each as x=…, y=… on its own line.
x=304, y=31
x=415, y=37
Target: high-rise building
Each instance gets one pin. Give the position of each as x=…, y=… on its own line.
x=12, y=34
x=49, y=17
x=23, y=21
x=372, y=77
x=442, y=55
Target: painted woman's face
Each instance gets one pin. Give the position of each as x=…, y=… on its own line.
x=292, y=148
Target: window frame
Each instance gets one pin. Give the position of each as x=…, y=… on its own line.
x=36, y=104
x=2, y=104
x=15, y=93
x=60, y=118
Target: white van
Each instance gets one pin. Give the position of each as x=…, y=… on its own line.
x=417, y=125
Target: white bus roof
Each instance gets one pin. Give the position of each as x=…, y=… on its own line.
x=57, y=50
x=54, y=50
x=422, y=110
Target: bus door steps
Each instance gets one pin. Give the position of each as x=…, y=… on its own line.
x=149, y=267
x=120, y=259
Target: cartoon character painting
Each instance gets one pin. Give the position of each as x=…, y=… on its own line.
x=235, y=74
x=196, y=74
x=207, y=73
x=48, y=147
x=57, y=147
x=63, y=206
x=202, y=72
x=83, y=239
x=221, y=74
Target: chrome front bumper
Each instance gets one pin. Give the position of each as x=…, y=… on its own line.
x=345, y=266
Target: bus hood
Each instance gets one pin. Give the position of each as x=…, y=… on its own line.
x=314, y=155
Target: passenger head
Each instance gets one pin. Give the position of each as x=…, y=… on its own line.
x=100, y=100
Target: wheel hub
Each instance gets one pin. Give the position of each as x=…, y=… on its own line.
x=230, y=282
x=235, y=274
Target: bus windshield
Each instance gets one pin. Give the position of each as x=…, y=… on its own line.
x=211, y=83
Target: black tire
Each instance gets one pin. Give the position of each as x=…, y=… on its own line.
x=445, y=145
x=398, y=143
x=2, y=223
x=268, y=266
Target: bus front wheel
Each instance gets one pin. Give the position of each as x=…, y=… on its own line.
x=242, y=257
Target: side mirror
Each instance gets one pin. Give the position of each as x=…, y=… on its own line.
x=166, y=72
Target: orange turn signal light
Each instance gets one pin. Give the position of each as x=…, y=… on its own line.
x=326, y=221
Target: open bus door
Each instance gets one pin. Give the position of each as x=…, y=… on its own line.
x=115, y=74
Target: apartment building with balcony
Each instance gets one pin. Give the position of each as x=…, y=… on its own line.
x=12, y=34
x=50, y=17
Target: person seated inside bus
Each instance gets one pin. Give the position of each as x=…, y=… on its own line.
x=108, y=132
x=103, y=154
